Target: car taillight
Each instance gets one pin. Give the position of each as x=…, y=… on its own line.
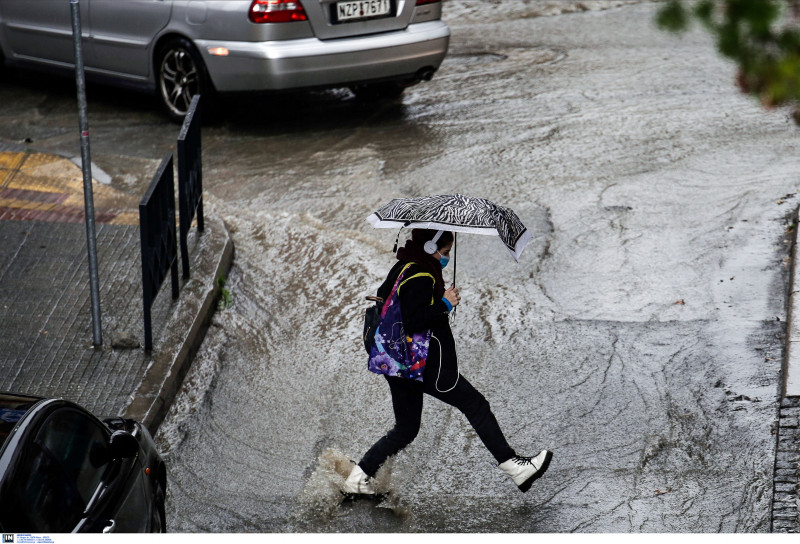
x=277, y=11
x=420, y=2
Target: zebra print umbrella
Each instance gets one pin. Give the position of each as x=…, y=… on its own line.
x=457, y=213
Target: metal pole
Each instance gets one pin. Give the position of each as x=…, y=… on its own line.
x=86, y=162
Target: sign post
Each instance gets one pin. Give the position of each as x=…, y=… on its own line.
x=86, y=163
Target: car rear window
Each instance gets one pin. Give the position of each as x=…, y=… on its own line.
x=12, y=408
x=59, y=471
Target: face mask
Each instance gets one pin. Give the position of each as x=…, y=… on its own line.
x=444, y=260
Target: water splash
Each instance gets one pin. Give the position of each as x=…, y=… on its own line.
x=322, y=495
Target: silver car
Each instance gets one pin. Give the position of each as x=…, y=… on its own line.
x=180, y=48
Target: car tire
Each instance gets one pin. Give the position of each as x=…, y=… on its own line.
x=180, y=75
x=371, y=92
x=160, y=523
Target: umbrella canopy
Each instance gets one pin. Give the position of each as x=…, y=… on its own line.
x=457, y=213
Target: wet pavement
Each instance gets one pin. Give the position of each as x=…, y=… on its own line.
x=46, y=343
x=640, y=337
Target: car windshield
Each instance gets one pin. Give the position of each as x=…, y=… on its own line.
x=12, y=408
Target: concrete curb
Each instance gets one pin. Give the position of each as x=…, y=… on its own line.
x=791, y=382
x=785, y=508
x=175, y=348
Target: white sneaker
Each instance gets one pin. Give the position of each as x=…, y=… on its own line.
x=526, y=470
x=358, y=483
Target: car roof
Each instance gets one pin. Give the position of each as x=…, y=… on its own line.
x=13, y=407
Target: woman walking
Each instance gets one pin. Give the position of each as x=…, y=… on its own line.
x=425, y=305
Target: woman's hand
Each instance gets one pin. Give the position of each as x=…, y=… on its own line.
x=452, y=296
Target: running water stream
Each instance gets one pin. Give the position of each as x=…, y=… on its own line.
x=639, y=337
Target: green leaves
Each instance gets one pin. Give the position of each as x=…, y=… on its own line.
x=762, y=36
x=225, y=296
x=673, y=17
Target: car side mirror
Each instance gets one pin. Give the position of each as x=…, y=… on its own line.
x=122, y=445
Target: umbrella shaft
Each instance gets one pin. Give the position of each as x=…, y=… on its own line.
x=455, y=261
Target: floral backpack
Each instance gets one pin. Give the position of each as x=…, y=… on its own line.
x=391, y=351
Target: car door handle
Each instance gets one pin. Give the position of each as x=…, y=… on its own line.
x=110, y=527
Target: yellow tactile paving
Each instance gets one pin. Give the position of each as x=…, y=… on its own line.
x=9, y=165
x=26, y=204
x=11, y=160
x=40, y=186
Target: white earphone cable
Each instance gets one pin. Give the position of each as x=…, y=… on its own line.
x=458, y=376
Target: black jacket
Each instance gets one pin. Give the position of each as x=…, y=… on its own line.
x=422, y=311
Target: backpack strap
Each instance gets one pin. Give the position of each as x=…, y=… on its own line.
x=419, y=275
x=395, y=288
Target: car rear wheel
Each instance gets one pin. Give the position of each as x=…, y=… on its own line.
x=181, y=76
x=160, y=520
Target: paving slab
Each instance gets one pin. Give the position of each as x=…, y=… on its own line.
x=45, y=308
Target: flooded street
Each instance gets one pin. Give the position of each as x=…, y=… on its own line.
x=639, y=337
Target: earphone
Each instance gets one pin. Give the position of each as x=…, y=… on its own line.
x=430, y=246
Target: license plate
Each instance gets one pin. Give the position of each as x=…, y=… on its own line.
x=362, y=9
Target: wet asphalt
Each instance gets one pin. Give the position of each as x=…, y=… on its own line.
x=639, y=338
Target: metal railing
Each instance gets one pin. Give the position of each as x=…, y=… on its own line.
x=159, y=240
x=190, y=178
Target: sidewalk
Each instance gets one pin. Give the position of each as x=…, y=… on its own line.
x=45, y=309
x=786, y=496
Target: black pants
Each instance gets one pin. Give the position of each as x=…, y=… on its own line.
x=407, y=404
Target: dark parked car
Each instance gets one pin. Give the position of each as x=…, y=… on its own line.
x=63, y=470
x=180, y=48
